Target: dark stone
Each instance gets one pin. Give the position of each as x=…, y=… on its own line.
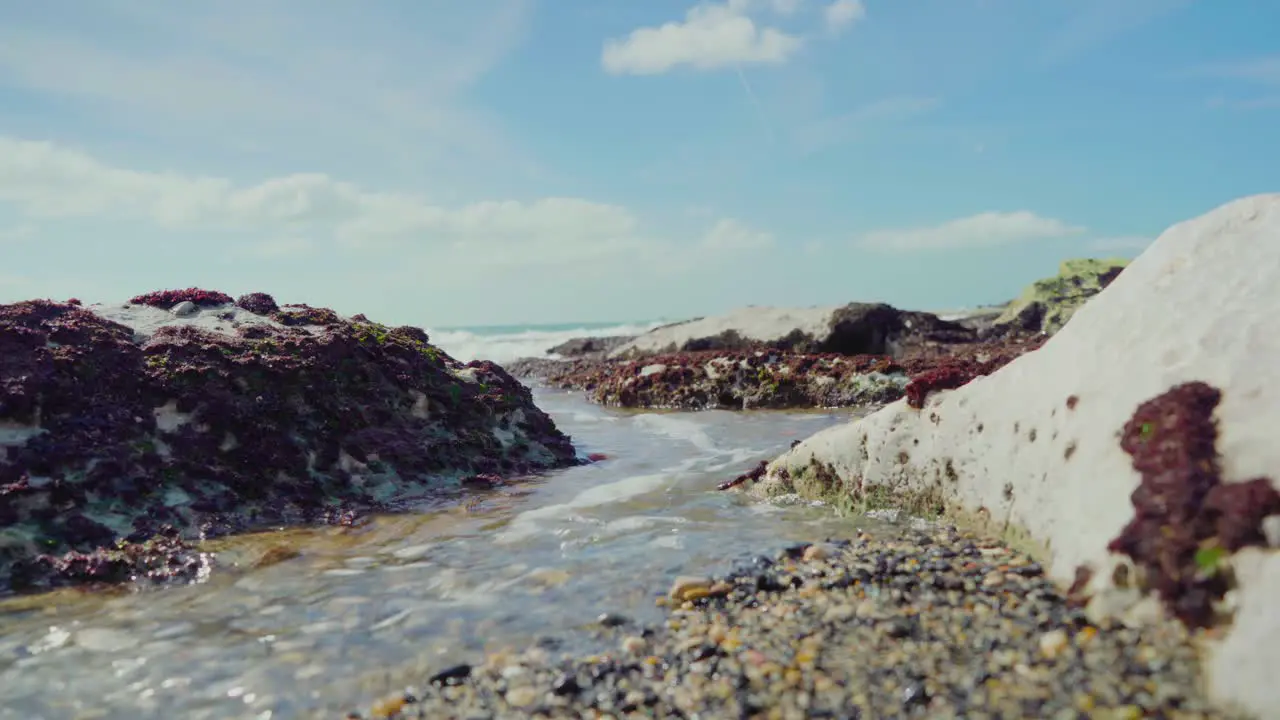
x=451, y=675
x=269, y=412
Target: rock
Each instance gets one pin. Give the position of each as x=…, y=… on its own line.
x=1053, y=643
x=263, y=304
x=185, y=308
x=589, y=346
x=127, y=432
x=1046, y=305
x=1141, y=432
x=740, y=380
x=689, y=588
x=853, y=329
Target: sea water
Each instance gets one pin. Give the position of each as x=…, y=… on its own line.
x=341, y=615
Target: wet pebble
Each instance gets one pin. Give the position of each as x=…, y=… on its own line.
x=937, y=624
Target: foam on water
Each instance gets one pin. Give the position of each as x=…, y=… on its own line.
x=510, y=343
x=677, y=428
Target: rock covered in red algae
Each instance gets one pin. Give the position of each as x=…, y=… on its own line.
x=228, y=421
x=737, y=380
x=1186, y=519
x=259, y=303
x=960, y=365
x=166, y=299
x=764, y=378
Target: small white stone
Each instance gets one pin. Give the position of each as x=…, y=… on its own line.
x=521, y=696
x=185, y=308
x=1271, y=529
x=1053, y=642
x=634, y=644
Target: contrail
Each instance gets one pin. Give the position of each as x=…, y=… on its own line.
x=755, y=100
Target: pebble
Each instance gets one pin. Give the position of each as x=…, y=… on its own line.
x=689, y=588
x=934, y=624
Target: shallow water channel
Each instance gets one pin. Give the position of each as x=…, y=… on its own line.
x=318, y=621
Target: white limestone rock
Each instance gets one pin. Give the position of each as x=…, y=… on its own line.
x=765, y=324
x=1202, y=303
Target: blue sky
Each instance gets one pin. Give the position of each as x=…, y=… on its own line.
x=438, y=162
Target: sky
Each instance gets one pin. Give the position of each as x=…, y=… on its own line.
x=437, y=162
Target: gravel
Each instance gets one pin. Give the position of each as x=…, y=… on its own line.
x=936, y=623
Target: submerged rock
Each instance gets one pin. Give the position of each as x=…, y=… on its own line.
x=118, y=423
x=1136, y=449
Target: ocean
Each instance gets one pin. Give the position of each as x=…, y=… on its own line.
x=504, y=343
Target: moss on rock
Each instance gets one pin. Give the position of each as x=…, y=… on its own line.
x=1046, y=305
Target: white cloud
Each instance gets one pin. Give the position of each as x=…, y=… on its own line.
x=712, y=36
x=988, y=229
x=730, y=234
x=46, y=180
x=840, y=14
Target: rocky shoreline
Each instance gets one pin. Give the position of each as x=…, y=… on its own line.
x=130, y=431
x=936, y=623
x=1127, y=455
x=857, y=355
x=772, y=379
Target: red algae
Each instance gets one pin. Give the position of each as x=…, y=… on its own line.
x=168, y=298
x=268, y=426
x=1185, y=518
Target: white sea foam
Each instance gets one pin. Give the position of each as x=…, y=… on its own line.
x=677, y=428
x=480, y=344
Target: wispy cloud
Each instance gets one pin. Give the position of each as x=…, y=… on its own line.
x=277, y=74
x=1255, y=81
x=989, y=229
x=841, y=14
x=826, y=132
x=17, y=233
x=729, y=234
x=1263, y=70
x=1094, y=22
x=303, y=215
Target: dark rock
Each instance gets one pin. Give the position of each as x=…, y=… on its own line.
x=852, y=329
x=214, y=433
x=168, y=298
x=451, y=675
x=258, y=303
x=589, y=346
